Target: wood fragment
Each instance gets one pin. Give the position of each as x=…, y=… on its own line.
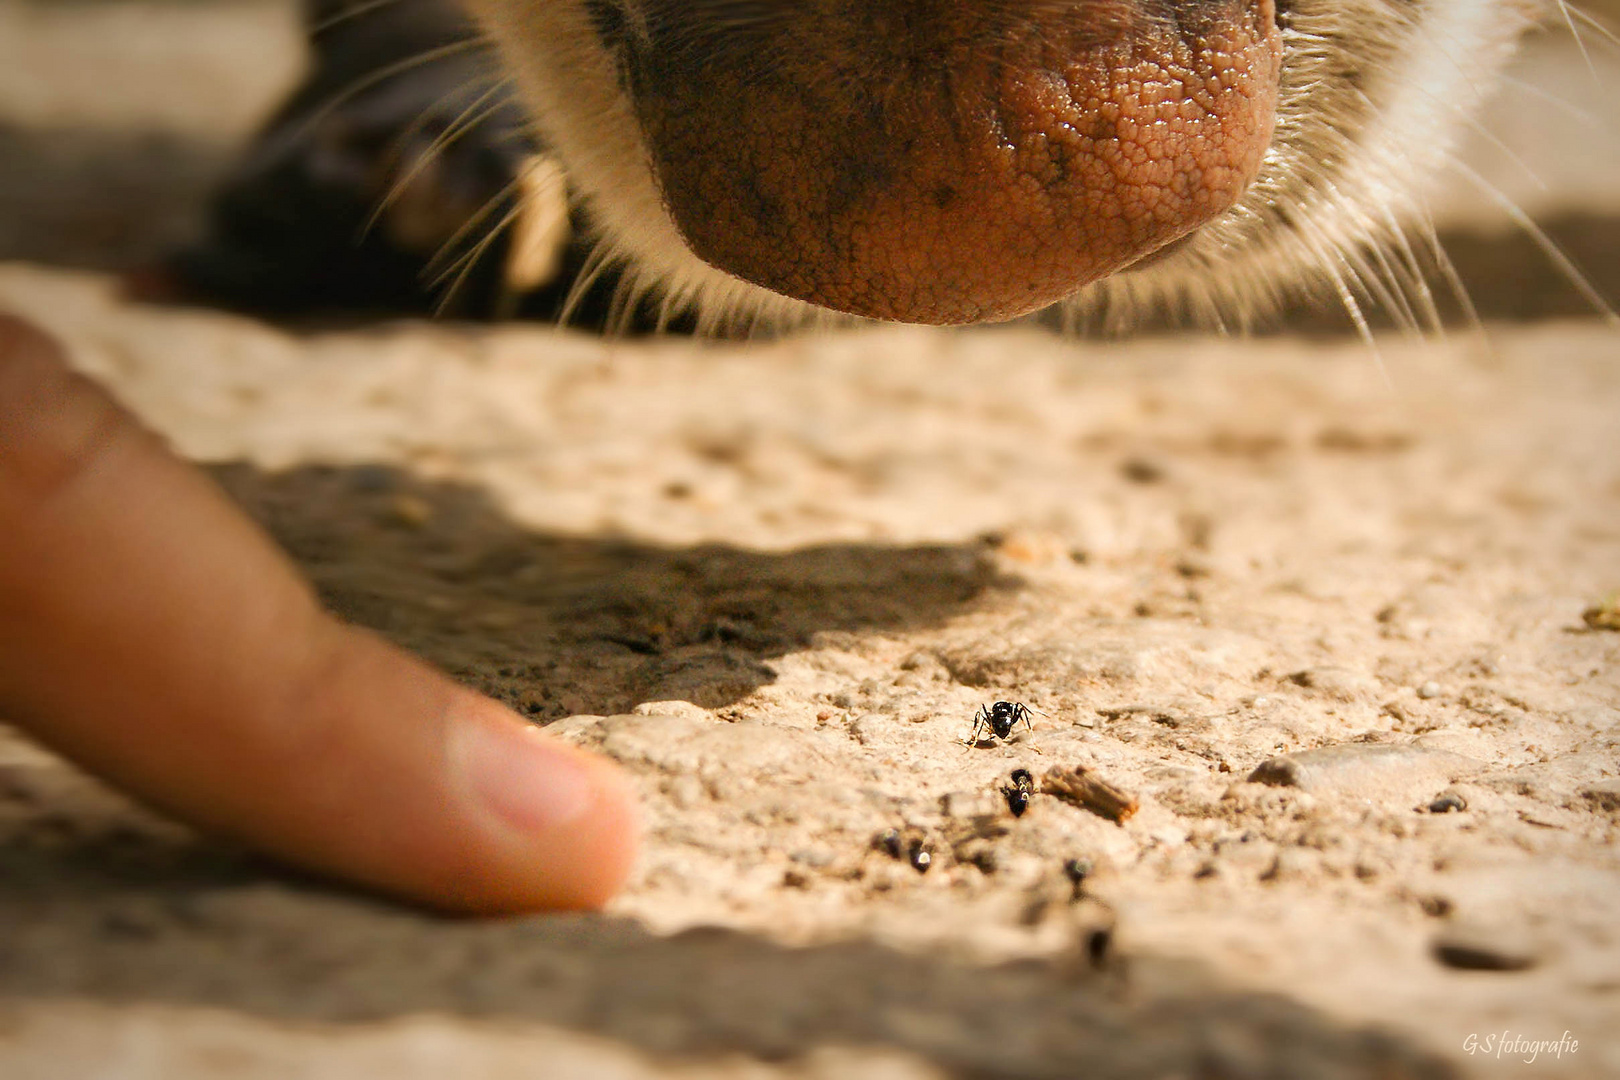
x=1081, y=787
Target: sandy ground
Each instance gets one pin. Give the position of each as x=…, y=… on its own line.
x=776, y=581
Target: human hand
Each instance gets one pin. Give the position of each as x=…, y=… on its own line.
x=151, y=633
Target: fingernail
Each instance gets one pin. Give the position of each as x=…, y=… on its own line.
x=531, y=783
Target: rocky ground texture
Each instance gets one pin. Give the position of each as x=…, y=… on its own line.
x=1322, y=774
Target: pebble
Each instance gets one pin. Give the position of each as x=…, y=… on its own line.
x=1141, y=469
x=684, y=709
x=1030, y=547
x=1447, y=801
x=1381, y=771
x=1436, y=906
x=1478, y=948
x=1429, y=690
x=1604, y=615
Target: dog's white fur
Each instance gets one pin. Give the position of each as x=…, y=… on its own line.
x=1338, y=205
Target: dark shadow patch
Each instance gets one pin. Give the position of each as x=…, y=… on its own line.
x=92, y=199
x=1506, y=275
x=292, y=955
x=554, y=625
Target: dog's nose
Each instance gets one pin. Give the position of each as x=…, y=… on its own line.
x=948, y=161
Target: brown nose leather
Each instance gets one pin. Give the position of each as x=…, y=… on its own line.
x=948, y=161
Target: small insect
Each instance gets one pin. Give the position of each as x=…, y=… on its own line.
x=1000, y=718
x=1018, y=791
x=1077, y=870
x=921, y=858
x=909, y=845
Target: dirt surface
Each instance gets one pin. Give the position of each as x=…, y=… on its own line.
x=1314, y=609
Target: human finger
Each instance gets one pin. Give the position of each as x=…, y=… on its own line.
x=150, y=632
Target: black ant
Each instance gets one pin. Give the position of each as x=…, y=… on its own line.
x=1000, y=719
x=1019, y=791
x=910, y=845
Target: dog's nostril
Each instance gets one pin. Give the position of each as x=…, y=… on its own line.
x=972, y=165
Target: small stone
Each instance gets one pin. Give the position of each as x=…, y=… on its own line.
x=1194, y=566
x=1383, y=771
x=1143, y=470
x=1448, y=801
x=1604, y=615
x=1436, y=906
x=1429, y=690
x=672, y=708
x=1028, y=547
x=1479, y=948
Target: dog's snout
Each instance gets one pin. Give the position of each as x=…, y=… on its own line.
x=947, y=161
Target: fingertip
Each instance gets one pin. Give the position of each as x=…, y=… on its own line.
x=379, y=770
x=566, y=819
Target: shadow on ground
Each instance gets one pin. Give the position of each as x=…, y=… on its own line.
x=555, y=625
x=170, y=928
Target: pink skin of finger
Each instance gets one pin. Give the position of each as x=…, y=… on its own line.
x=154, y=635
